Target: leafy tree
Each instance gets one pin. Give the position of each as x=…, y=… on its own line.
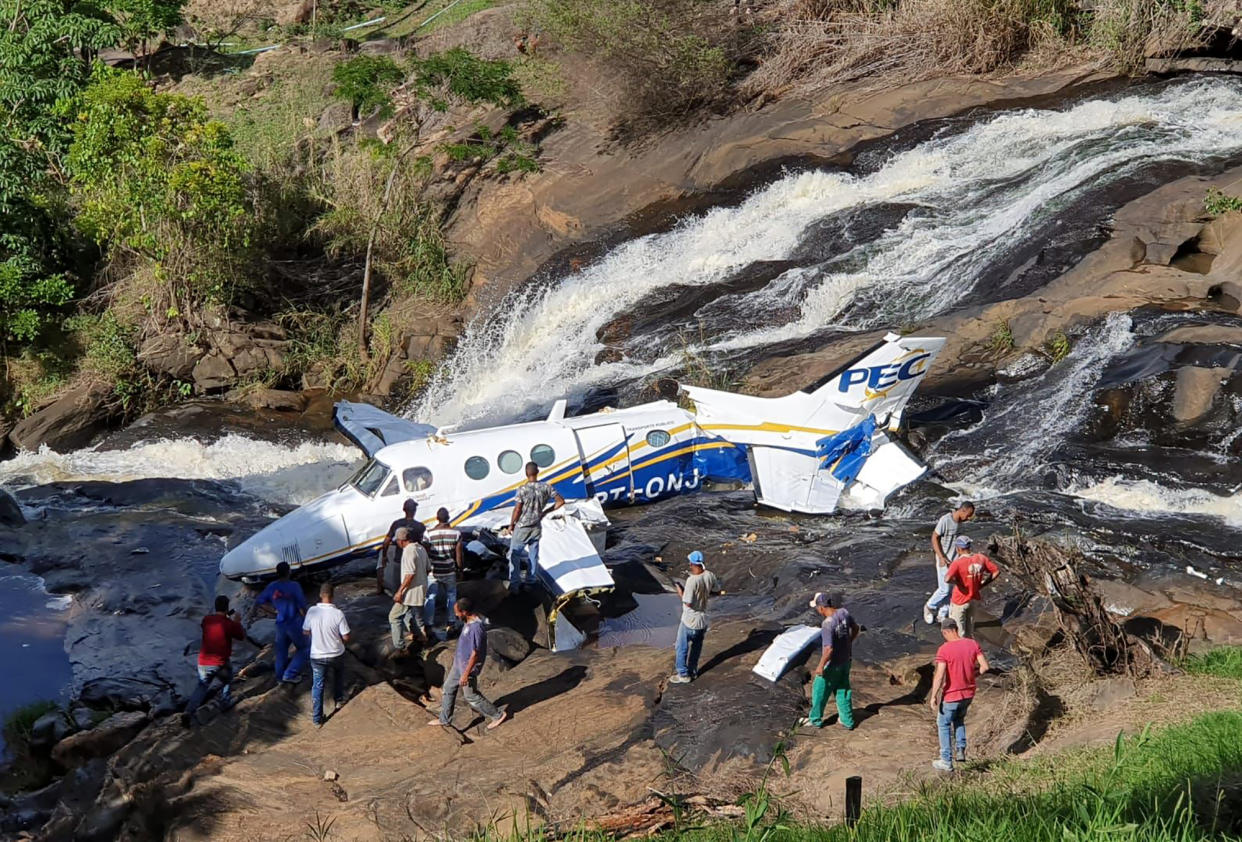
x=367, y=83
x=26, y=296
x=156, y=178
x=141, y=21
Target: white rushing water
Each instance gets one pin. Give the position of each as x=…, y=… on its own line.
x=274, y=472
x=1153, y=499
x=977, y=191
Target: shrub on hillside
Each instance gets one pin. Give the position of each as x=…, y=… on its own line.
x=367, y=83
x=461, y=74
x=672, y=58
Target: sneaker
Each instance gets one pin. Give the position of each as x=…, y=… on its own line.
x=961, y=755
x=940, y=766
x=928, y=616
x=679, y=679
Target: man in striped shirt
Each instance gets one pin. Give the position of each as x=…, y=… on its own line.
x=444, y=548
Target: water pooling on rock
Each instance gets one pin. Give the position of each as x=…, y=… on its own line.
x=972, y=201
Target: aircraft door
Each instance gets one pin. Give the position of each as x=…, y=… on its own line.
x=606, y=462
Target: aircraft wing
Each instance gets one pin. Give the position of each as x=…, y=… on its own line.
x=371, y=428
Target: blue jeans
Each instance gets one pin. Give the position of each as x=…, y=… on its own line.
x=951, y=721
x=206, y=675
x=319, y=668
x=689, y=646
x=939, y=602
x=524, y=545
x=470, y=691
x=290, y=669
x=437, y=587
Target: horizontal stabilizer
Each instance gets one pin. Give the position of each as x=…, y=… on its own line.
x=373, y=429
x=788, y=645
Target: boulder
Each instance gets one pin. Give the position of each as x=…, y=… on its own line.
x=318, y=376
x=213, y=372
x=49, y=729
x=67, y=423
x=169, y=354
x=508, y=644
x=280, y=400
x=1195, y=391
x=10, y=512
x=336, y=118
x=101, y=741
x=380, y=47
x=299, y=11
x=392, y=373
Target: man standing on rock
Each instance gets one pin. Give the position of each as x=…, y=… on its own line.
x=967, y=575
x=958, y=661
x=407, y=607
x=700, y=584
x=525, y=526
x=832, y=673
x=386, y=556
x=464, y=674
x=220, y=629
x=285, y=597
x=942, y=548
x=328, y=630
x=445, y=552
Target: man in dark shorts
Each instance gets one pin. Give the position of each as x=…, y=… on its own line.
x=958, y=662
x=832, y=673
x=407, y=521
x=220, y=629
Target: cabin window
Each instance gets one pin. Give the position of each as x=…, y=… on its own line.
x=477, y=467
x=658, y=438
x=416, y=479
x=510, y=462
x=391, y=488
x=370, y=477
x=542, y=455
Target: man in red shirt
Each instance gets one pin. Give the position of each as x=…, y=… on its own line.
x=968, y=573
x=219, y=631
x=958, y=661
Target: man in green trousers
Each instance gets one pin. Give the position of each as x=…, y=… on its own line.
x=832, y=673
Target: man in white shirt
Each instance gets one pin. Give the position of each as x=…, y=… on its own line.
x=328, y=630
x=937, y=608
x=407, y=602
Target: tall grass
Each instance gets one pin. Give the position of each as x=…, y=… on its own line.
x=1222, y=662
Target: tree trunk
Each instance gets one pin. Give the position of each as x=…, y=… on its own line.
x=366, y=270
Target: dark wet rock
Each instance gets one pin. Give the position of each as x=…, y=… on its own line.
x=100, y=741
x=119, y=693
x=69, y=422
x=83, y=717
x=101, y=822
x=10, y=511
x=50, y=729
x=508, y=645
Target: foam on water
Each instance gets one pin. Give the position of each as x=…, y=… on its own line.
x=1150, y=498
x=976, y=192
x=275, y=472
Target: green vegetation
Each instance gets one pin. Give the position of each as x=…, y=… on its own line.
x=28, y=771
x=1221, y=661
x=367, y=82
x=461, y=75
x=1002, y=337
x=1058, y=346
x=1217, y=202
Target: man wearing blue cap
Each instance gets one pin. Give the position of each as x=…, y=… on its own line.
x=700, y=584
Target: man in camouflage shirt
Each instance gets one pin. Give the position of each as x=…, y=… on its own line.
x=531, y=499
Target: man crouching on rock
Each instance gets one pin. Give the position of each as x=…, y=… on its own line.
x=832, y=673
x=219, y=631
x=467, y=664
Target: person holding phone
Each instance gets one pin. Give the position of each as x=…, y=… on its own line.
x=220, y=629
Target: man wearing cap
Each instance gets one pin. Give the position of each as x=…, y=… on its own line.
x=700, y=584
x=967, y=575
x=407, y=608
x=942, y=549
x=386, y=554
x=958, y=662
x=832, y=673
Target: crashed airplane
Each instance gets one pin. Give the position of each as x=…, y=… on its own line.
x=806, y=452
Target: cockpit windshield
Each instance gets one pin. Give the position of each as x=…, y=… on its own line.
x=370, y=477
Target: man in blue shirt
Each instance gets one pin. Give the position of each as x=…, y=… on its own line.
x=285, y=599
x=467, y=664
x=832, y=673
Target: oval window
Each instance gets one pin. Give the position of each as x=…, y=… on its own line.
x=477, y=467
x=658, y=438
x=416, y=479
x=510, y=462
x=542, y=455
